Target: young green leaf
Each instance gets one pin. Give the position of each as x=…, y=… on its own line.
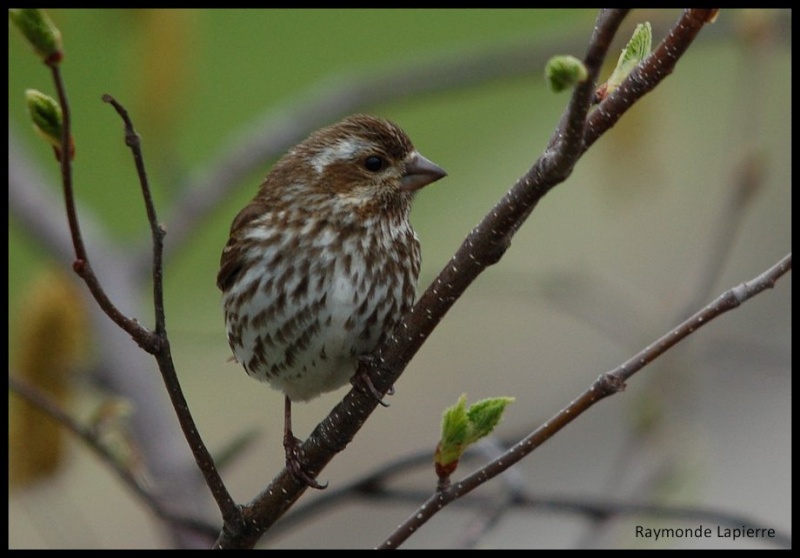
x=455, y=432
x=637, y=49
x=485, y=415
x=462, y=427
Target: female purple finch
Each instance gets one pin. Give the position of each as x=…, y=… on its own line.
x=322, y=263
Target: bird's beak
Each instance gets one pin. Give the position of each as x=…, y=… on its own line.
x=420, y=172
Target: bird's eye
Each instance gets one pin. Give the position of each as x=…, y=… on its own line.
x=373, y=163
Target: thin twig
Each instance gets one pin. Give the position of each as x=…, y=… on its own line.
x=374, y=488
x=597, y=509
x=143, y=336
x=122, y=367
x=157, y=231
x=607, y=384
x=161, y=348
x=146, y=339
x=647, y=75
x=155, y=343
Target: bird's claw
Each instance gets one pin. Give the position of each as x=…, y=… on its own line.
x=363, y=383
x=295, y=464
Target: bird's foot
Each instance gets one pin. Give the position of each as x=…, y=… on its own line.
x=362, y=382
x=294, y=463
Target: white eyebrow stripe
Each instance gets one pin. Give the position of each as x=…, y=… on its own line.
x=343, y=149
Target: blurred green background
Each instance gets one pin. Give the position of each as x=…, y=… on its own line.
x=599, y=271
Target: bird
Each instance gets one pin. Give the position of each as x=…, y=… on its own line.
x=323, y=262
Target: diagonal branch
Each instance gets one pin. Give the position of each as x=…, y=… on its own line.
x=483, y=247
x=607, y=384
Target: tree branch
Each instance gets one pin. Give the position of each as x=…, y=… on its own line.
x=143, y=337
x=647, y=75
x=483, y=247
x=160, y=345
x=607, y=384
x=155, y=343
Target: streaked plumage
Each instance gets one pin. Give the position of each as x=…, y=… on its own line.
x=322, y=263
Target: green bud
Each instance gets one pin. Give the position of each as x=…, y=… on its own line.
x=637, y=49
x=462, y=427
x=46, y=115
x=44, y=37
x=47, y=119
x=565, y=71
